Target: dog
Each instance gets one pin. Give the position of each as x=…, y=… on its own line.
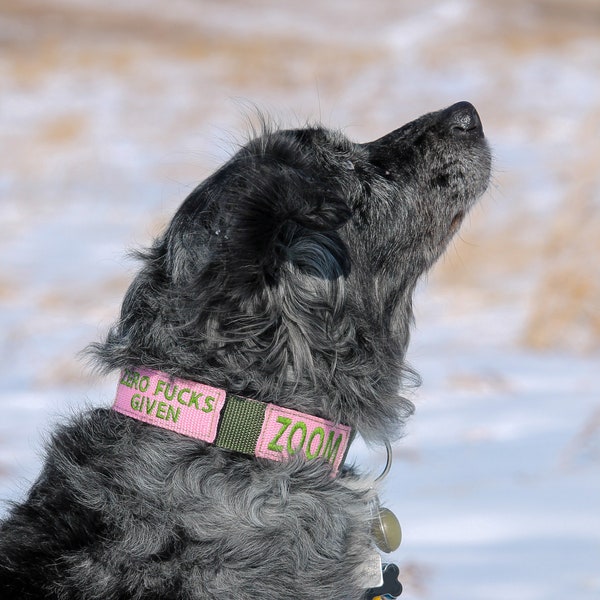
x=281, y=291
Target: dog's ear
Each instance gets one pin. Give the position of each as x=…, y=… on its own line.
x=280, y=215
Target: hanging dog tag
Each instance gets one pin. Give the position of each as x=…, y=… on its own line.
x=385, y=527
x=386, y=530
x=371, y=571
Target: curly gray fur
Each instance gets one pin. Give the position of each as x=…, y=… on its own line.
x=287, y=276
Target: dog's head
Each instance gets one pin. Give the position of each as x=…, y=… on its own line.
x=287, y=275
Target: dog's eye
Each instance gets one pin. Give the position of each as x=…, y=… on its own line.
x=348, y=164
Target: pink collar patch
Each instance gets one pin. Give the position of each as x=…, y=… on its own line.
x=249, y=426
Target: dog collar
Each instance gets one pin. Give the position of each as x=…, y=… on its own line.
x=228, y=421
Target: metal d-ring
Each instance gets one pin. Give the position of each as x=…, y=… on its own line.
x=388, y=463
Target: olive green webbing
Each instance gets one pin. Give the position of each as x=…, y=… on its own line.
x=241, y=424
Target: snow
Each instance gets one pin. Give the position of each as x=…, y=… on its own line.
x=496, y=480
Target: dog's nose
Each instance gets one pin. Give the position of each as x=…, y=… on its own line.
x=462, y=120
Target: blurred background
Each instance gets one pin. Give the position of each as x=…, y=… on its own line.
x=111, y=112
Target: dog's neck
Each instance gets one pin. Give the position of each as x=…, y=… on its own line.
x=228, y=421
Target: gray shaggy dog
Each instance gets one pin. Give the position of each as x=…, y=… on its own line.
x=285, y=277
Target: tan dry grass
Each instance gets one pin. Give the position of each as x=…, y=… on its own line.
x=564, y=302
x=63, y=129
x=67, y=371
x=278, y=59
x=565, y=308
x=9, y=290
x=119, y=42
x=557, y=261
x=66, y=300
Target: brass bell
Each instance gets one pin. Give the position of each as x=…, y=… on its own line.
x=386, y=530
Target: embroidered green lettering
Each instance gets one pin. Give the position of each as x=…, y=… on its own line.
x=310, y=454
x=136, y=402
x=194, y=399
x=331, y=448
x=130, y=379
x=298, y=426
x=144, y=383
x=149, y=406
x=172, y=388
x=172, y=413
x=160, y=386
x=135, y=380
x=180, y=396
x=208, y=404
x=125, y=379
x=161, y=410
x=273, y=445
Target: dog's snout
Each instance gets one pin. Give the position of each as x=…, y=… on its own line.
x=462, y=120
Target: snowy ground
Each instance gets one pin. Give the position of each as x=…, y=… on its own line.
x=109, y=116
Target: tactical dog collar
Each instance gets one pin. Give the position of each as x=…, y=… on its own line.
x=229, y=421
